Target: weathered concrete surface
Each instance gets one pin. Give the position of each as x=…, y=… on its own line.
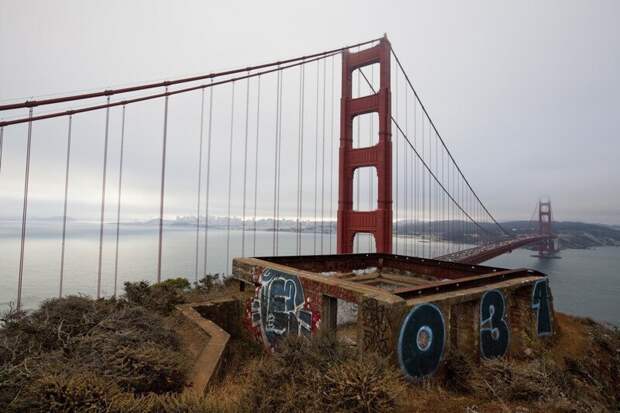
x=296, y=295
x=206, y=343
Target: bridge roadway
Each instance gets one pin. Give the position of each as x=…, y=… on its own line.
x=485, y=252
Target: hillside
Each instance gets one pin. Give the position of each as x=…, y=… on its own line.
x=78, y=354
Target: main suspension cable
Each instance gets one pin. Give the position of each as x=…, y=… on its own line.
x=443, y=142
x=431, y=174
x=166, y=83
x=155, y=96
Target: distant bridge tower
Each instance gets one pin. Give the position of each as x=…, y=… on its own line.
x=546, y=247
x=377, y=222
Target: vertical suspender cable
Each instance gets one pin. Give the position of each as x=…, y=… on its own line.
x=316, y=153
x=245, y=163
x=406, y=178
x=275, y=165
x=371, y=172
x=230, y=151
x=431, y=194
x=24, y=214
x=442, y=203
x=64, y=211
x=118, y=207
x=207, y=190
x=357, y=171
x=198, y=191
x=162, y=187
x=411, y=200
x=450, y=208
x=323, y=155
x=256, y=166
x=331, y=159
x=396, y=164
x=415, y=181
x=279, y=164
x=412, y=193
x=105, y=166
x=423, y=191
x=300, y=151
x=436, y=198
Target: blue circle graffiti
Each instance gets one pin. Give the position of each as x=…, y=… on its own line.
x=494, y=332
x=421, y=341
x=541, y=303
x=278, y=308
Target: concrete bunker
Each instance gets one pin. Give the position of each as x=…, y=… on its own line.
x=417, y=311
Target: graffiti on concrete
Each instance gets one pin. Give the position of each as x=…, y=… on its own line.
x=541, y=304
x=279, y=307
x=494, y=332
x=421, y=341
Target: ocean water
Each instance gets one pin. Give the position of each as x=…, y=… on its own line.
x=137, y=259
x=584, y=282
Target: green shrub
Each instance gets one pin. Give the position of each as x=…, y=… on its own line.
x=162, y=297
x=206, y=283
x=179, y=283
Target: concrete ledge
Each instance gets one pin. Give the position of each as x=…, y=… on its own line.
x=205, y=341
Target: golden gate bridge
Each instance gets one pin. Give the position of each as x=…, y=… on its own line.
x=398, y=182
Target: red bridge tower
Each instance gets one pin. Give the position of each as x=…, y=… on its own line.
x=546, y=247
x=377, y=222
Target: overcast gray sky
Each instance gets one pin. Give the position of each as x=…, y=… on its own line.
x=525, y=93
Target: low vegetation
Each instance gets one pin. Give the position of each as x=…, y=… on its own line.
x=80, y=354
x=120, y=355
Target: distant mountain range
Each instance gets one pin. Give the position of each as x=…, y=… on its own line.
x=570, y=234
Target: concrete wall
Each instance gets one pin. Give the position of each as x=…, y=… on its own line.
x=419, y=333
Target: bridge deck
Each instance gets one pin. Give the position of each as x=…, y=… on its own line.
x=485, y=252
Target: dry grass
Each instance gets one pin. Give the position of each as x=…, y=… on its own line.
x=319, y=375
x=79, y=354
x=76, y=354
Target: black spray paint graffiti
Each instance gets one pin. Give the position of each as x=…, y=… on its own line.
x=541, y=303
x=494, y=332
x=421, y=341
x=278, y=308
